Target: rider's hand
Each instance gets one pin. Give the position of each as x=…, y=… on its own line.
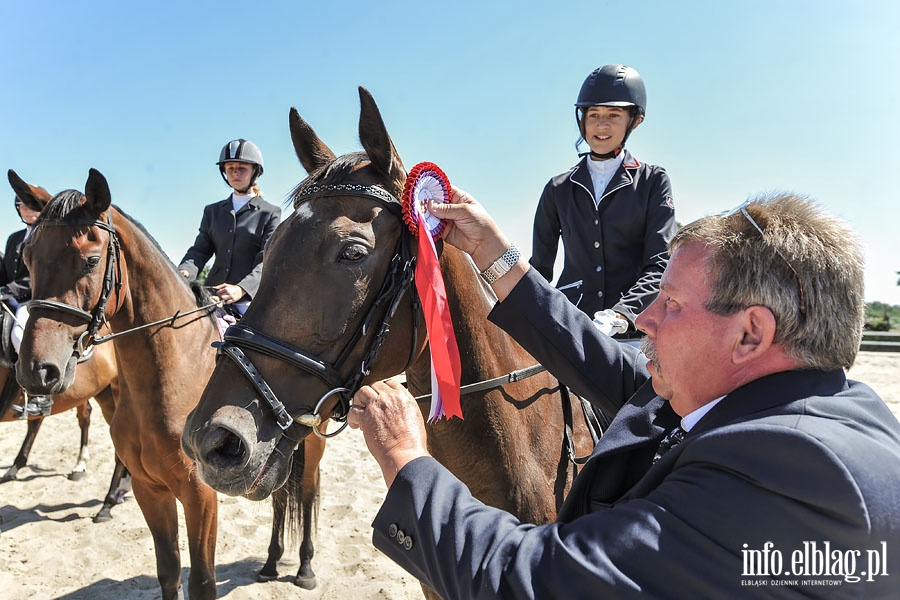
x=229, y=293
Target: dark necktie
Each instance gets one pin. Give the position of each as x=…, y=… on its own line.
x=672, y=439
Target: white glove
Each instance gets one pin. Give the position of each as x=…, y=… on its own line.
x=608, y=323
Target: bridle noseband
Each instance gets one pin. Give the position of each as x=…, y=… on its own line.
x=112, y=278
x=396, y=282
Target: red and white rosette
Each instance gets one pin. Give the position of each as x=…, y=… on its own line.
x=427, y=182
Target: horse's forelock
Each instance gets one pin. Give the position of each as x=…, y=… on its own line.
x=63, y=205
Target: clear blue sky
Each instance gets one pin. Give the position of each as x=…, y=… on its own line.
x=743, y=97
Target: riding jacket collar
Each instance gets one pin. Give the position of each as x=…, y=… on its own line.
x=580, y=175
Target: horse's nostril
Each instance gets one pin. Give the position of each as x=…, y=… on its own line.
x=232, y=446
x=48, y=373
x=225, y=450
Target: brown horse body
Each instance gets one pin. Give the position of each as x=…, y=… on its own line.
x=166, y=368
x=323, y=270
x=162, y=369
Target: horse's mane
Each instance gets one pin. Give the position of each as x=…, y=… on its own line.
x=201, y=294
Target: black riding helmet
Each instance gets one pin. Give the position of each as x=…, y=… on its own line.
x=17, y=203
x=612, y=85
x=241, y=150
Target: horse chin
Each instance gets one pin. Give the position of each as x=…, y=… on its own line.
x=274, y=473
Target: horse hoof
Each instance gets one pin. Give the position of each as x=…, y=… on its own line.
x=103, y=516
x=306, y=583
x=264, y=577
x=77, y=475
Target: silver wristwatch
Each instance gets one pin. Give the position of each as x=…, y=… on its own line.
x=501, y=266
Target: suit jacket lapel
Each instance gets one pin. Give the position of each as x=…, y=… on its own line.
x=637, y=429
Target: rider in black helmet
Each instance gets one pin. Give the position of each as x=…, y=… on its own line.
x=234, y=230
x=615, y=215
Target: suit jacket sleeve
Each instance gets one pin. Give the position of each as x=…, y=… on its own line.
x=203, y=249
x=687, y=531
x=545, y=234
x=250, y=283
x=659, y=229
x=561, y=337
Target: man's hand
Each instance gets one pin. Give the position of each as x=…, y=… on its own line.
x=392, y=425
x=470, y=228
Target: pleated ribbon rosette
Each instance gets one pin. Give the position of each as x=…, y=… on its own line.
x=427, y=182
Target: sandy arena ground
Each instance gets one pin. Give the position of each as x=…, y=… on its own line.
x=50, y=548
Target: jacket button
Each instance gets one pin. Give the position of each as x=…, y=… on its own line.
x=599, y=268
x=401, y=537
x=408, y=543
x=600, y=294
x=596, y=221
x=393, y=529
x=596, y=244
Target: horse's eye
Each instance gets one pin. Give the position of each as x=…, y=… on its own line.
x=354, y=252
x=92, y=262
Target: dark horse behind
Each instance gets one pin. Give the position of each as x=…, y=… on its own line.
x=335, y=309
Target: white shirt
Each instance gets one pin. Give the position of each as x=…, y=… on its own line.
x=238, y=202
x=691, y=419
x=602, y=172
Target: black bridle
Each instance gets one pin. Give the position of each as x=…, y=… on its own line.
x=396, y=282
x=112, y=279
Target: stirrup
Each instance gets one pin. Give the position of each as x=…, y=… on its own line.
x=36, y=406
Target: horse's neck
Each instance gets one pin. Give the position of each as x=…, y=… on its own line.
x=485, y=350
x=154, y=289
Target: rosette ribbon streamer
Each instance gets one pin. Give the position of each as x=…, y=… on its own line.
x=427, y=182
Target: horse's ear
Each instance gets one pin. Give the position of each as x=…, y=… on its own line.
x=375, y=139
x=32, y=196
x=312, y=152
x=96, y=192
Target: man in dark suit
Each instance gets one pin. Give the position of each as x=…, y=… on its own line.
x=741, y=463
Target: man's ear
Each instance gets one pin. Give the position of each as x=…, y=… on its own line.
x=758, y=324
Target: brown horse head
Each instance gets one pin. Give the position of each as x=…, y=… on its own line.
x=309, y=330
x=68, y=256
